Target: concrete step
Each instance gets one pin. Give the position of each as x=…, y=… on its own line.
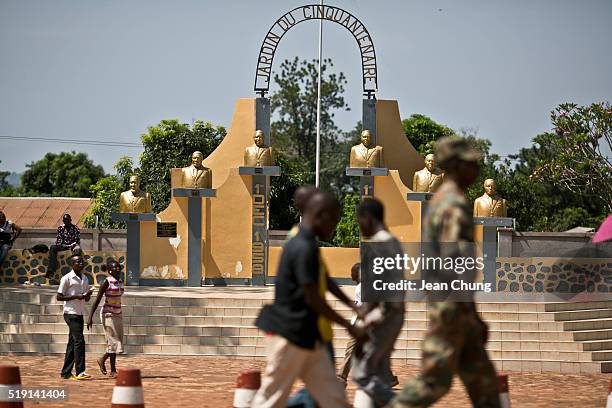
x=589, y=314
x=516, y=349
x=595, y=334
x=591, y=324
x=602, y=355
x=597, y=345
x=574, y=306
x=606, y=366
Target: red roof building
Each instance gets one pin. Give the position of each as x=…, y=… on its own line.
x=44, y=212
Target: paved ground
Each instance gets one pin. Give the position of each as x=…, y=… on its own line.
x=209, y=382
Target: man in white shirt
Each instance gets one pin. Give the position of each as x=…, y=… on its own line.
x=74, y=291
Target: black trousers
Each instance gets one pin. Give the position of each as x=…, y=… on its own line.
x=75, y=350
x=53, y=250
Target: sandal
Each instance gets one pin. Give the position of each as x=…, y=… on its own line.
x=113, y=374
x=102, y=366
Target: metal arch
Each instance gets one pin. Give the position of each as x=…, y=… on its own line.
x=263, y=90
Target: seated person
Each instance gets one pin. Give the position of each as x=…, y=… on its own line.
x=68, y=239
x=8, y=234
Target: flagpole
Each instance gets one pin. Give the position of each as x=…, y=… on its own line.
x=318, y=154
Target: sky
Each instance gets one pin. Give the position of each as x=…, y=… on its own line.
x=104, y=70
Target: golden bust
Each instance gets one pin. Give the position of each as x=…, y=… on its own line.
x=428, y=179
x=135, y=200
x=259, y=154
x=366, y=154
x=196, y=175
x=490, y=204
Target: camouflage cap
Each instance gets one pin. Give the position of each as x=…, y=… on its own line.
x=454, y=147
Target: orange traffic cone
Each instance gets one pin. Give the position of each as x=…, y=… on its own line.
x=609, y=403
x=10, y=380
x=128, y=389
x=247, y=384
x=504, y=396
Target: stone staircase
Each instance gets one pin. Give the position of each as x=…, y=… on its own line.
x=533, y=337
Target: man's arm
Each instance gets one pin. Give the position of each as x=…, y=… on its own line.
x=60, y=297
x=333, y=287
x=78, y=236
x=101, y=291
x=320, y=306
x=16, y=232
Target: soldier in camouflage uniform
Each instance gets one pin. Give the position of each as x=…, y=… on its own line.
x=456, y=338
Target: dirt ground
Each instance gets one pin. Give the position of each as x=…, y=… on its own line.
x=197, y=381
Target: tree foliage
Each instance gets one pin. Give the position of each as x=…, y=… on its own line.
x=60, y=175
x=105, y=194
x=295, y=106
x=293, y=135
x=283, y=214
x=576, y=162
x=422, y=132
x=170, y=144
x=6, y=190
x=347, y=231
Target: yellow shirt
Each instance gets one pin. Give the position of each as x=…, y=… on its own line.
x=323, y=323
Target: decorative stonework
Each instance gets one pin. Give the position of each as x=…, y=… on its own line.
x=559, y=275
x=19, y=268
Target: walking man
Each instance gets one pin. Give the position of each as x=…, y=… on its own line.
x=68, y=238
x=456, y=337
x=295, y=348
x=384, y=312
x=74, y=291
x=350, y=344
x=9, y=232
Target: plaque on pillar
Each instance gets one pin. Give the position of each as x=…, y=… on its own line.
x=367, y=171
x=259, y=171
x=494, y=221
x=194, y=192
x=489, y=245
x=422, y=197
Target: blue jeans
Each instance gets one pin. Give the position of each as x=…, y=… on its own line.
x=4, y=249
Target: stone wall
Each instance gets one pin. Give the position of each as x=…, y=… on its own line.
x=22, y=266
x=91, y=239
x=559, y=275
x=533, y=244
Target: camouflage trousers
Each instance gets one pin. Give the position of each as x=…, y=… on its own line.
x=454, y=344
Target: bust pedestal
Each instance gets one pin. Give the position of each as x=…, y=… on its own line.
x=132, y=262
x=366, y=178
x=194, y=228
x=486, y=238
x=260, y=198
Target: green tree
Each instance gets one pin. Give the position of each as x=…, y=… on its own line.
x=295, y=105
x=293, y=135
x=60, y=175
x=170, y=144
x=106, y=201
x=283, y=214
x=105, y=194
x=422, y=132
x=576, y=162
x=6, y=190
x=347, y=231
